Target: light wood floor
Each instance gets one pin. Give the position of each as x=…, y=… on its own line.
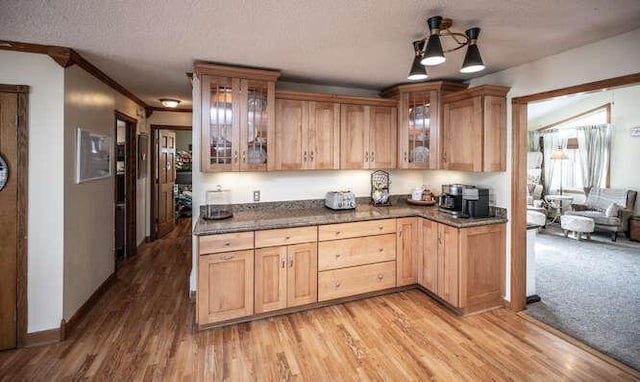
x=142, y=329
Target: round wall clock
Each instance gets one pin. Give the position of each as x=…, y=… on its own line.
x=4, y=172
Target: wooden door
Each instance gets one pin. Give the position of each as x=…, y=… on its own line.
x=406, y=251
x=8, y=221
x=166, y=181
x=270, y=279
x=382, y=137
x=324, y=136
x=302, y=274
x=225, y=286
x=462, y=135
x=291, y=135
x=354, y=136
x=428, y=255
x=448, y=264
x=495, y=134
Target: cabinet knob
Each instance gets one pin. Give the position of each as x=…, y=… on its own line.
x=338, y=256
x=380, y=249
x=380, y=277
x=227, y=243
x=337, y=233
x=287, y=237
x=337, y=284
x=380, y=227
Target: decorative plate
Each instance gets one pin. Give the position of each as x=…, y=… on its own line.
x=420, y=154
x=256, y=155
x=4, y=172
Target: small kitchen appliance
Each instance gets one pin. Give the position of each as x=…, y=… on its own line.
x=218, y=204
x=475, y=202
x=340, y=200
x=450, y=201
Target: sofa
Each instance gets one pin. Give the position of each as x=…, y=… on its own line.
x=610, y=209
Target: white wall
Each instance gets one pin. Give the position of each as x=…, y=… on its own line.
x=89, y=206
x=613, y=57
x=46, y=186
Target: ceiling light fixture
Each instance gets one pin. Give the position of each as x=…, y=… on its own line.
x=170, y=102
x=429, y=50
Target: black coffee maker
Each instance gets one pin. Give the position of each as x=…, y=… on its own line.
x=475, y=202
x=450, y=201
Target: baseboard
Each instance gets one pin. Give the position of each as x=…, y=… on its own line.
x=43, y=337
x=67, y=327
x=627, y=369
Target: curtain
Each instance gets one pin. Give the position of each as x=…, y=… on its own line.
x=594, y=145
x=552, y=141
x=534, y=140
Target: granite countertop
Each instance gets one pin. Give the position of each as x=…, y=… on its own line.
x=308, y=213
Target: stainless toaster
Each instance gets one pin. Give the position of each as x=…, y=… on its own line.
x=340, y=200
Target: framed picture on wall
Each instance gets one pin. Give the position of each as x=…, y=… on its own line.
x=143, y=147
x=93, y=156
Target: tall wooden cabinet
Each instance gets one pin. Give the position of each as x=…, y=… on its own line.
x=367, y=136
x=419, y=122
x=407, y=231
x=463, y=266
x=307, y=134
x=237, y=118
x=474, y=129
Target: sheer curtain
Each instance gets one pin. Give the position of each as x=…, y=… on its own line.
x=534, y=140
x=594, y=144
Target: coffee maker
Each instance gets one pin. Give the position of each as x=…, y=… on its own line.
x=450, y=201
x=475, y=202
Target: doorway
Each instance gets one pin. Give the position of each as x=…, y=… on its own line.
x=125, y=188
x=171, y=154
x=13, y=215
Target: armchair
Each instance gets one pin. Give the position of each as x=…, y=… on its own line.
x=609, y=208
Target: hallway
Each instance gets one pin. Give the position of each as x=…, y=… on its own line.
x=142, y=329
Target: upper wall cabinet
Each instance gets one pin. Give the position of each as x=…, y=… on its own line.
x=474, y=124
x=238, y=124
x=307, y=133
x=419, y=121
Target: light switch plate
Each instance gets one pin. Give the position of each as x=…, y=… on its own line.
x=635, y=131
x=256, y=195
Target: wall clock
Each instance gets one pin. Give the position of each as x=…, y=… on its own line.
x=4, y=173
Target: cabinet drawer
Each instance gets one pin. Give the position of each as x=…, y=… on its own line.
x=349, y=230
x=286, y=236
x=225, y=242
x=356, y=280
x=358, y=251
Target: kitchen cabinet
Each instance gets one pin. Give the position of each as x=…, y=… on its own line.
x=286, y=269
x=463, y=266
x=407, y=247
x=419, y=122
x=474, y=129
x=356, y=258
x=367, y=136
x=237, y=118
x=225, y=286
x=307, y=135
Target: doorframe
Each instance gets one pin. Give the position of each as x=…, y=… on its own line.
x=22, y=174
x=130, y=176
x=518, y=177
x=153, y=205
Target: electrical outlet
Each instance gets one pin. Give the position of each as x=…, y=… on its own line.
x=256, y=195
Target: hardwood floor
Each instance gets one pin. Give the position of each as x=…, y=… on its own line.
x=142, y=329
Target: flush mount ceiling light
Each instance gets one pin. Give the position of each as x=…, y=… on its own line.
x=429, y=52
x=169, y=102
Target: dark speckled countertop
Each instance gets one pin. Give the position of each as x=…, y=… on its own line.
x=260, y=216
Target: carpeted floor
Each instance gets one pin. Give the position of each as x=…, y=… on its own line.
x=590, y=290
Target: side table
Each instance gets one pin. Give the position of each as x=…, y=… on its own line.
x=634, y=228
x=558, y=203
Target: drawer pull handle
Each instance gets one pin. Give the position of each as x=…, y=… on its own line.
x=337, y=233
x=287, y=237
x=337, y=284
x=380, y=249
x=380, y=227
x=337, y=256
x=228, y=257
x=380, y=276
x=227, y=243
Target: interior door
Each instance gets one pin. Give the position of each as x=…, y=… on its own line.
x=166, y=181
x=8, y=220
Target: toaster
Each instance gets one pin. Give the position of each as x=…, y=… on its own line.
x=340, y=200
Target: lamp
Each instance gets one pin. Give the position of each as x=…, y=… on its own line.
x=559, y=154
x=169, y=102
x=418, y=72
x=433, y=53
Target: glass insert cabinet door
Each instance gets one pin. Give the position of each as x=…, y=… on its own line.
x=418, y=134
x=236, y=124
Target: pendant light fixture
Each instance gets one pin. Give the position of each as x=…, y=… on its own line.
x=433, y=53
x=418, y=71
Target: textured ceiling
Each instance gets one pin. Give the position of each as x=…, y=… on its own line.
x=148, y=45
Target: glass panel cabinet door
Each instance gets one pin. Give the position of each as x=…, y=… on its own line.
x=419, y=131
x=254, y=129
x=220, y=124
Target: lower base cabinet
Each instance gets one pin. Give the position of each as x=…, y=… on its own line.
x=225, y=286
x=463, y=266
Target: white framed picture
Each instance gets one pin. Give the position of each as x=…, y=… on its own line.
x=93, y=156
